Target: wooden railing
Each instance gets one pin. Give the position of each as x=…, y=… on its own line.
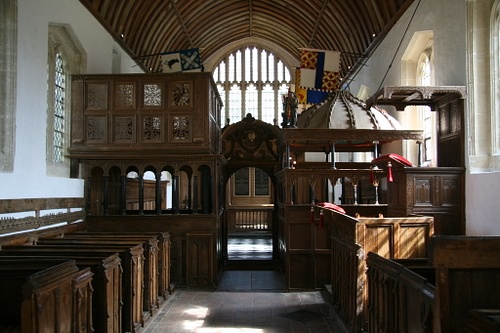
x=38, y=215
x=250, y=218
x=352, y=239
x=399, y=299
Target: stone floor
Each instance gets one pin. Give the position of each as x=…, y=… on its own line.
x=247, y=301
x=246, y=312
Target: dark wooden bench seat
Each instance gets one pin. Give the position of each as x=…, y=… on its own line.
x=164, y=243
x=132, y=262
x=45, y=296
x=150, y=276
x=106, y=282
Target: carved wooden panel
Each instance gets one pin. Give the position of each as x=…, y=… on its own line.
x=96, y=129
x=199, y=260
x=307, y=249
x=180, y=94
x=437, y=192
x=423, y=192
x=153, y=95
x=97, y=96
x=124, y=111
x=182, y=128
x=124, y=96
x=124, y=129
x=152, y=129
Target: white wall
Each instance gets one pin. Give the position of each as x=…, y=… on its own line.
x=448, y=21
x=29, y=179
x=482, y=204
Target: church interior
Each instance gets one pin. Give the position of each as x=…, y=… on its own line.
x=338, y=153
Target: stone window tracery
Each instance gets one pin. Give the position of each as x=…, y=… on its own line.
x=66, y=56
x=251, y=80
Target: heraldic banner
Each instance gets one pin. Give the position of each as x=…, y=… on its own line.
x=319, y=74
x=181, y=61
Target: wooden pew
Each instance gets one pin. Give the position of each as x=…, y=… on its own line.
x=46, y=296
x=164, y=263
x=106, y=282
x=132, y=262
x=467, y=282
x=352, y=239
x=399, y=299
x=150, y=277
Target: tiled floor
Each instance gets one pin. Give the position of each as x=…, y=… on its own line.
x=254, y=247
x=247, y=301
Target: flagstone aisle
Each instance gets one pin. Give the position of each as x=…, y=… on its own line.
x=249, y=312
x=247, y=301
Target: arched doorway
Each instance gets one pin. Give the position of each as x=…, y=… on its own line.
x=250, y=217
x=250, y=230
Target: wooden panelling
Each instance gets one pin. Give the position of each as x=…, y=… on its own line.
x=106, y=281
x=352, y=239
x=467, y=278
x=307, y=251
x=132, y=277
x=176, y=225
x=129, y=115
x=436, y=192
x=199, y=260
x=46, y=296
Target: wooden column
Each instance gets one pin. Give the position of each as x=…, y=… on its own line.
x=123, y=195
x=105, y=187
x=141, y=195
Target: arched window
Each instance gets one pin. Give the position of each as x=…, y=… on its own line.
x=251, y=80
x=425, y=78
x=66, y=56
x=418, y=70
x=59, y=109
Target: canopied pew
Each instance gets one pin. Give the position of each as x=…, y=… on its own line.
x=150, y=276
x=106, y=282
x=399, y=298
x=352, y=239
x=132, y=262
x=45, y=296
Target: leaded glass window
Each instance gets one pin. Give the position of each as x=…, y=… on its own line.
x=425, y=76
x=59, y=108
x=252, y=80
